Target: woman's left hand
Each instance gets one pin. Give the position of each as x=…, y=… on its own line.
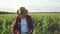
x=30, y=32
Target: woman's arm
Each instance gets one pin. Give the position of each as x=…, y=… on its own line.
x=31, y=24
x=14, y=29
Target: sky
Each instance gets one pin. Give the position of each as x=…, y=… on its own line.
x=30, y=5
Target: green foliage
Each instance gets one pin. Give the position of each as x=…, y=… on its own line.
x=41, y=23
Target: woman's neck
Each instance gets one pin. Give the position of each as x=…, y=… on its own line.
x=23, y=17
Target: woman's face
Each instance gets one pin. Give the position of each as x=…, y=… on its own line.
x=23, y=13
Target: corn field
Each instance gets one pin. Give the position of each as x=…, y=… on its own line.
x=42, y=23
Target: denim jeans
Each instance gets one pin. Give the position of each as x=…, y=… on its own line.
x=23, y=32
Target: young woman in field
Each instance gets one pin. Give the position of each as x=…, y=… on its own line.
x=23, y=23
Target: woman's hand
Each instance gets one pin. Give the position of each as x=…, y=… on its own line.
x=12, y=33
x=30, y=32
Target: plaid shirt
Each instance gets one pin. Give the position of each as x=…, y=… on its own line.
x=17, y=25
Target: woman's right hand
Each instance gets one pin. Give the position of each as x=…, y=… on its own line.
x=12, y=33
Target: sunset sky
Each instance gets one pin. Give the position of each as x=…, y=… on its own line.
x=31, y=5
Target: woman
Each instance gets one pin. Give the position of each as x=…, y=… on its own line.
x=23, y=23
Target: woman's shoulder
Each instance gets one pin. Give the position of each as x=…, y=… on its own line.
x=17, y=17
x=28, y=16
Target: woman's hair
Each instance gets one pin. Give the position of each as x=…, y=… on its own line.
x=22, y=9
x=18, y=12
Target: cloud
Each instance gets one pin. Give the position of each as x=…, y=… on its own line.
x=31, y=5
x=46, y=5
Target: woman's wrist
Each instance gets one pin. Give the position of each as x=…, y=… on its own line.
x=12, y=33
x=30, y=31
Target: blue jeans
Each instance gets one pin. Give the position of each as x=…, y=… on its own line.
x=23, y=32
